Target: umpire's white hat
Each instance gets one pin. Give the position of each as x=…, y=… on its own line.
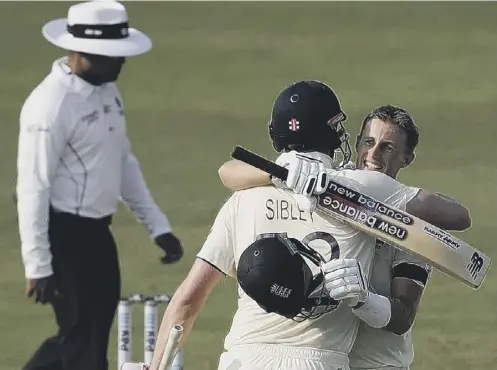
x=97, y=27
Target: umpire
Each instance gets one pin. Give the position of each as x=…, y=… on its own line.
x=74, y=164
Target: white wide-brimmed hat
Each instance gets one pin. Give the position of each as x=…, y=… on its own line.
x=97, y=27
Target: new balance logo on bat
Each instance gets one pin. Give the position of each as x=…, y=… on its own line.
x=362, y=200
x=475, y=265
x=349, y=210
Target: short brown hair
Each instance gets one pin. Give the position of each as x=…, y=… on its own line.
x=396, y=116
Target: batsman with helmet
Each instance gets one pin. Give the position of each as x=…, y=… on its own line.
x=302, y=278
x=386, y=143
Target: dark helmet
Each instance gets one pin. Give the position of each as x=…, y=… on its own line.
x=307, y=116
x=272, y=271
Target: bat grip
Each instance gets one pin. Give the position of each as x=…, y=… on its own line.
x=259, y=162
x=171, y=347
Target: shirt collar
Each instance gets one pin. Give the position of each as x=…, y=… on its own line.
x=73, y=82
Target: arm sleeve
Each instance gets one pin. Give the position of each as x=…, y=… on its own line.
x=407, y=266
x=42, y=140
x=137, y=198
x=218, y=248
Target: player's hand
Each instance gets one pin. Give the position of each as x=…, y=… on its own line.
x=307, y=172
x=345, y=281
x=170, y=244
x=44, y=290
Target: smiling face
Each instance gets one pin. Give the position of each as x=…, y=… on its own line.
x=382, y=146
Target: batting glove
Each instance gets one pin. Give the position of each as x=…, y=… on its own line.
x=134, y=366
x=307, y=172
x=344, y=281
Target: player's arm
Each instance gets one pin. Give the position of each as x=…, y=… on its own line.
x=214, y=261
x=186, y=304
x=410, y=277
x=440, y=210
x=237, y=175
x=408, y=283
x=437, y=210
x=345, y=280
x=307, y=173
x=433, y=208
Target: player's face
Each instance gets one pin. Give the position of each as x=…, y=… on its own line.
x=383, y=148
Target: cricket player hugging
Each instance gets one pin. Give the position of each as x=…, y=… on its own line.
x=302, y=266
x=302, y=277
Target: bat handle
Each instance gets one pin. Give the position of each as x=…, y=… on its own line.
x=259, y=162
x=171, y=347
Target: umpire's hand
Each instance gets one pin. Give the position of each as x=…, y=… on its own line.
x=171, y=245
x=44, y=289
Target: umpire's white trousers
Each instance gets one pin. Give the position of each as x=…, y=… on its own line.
x=280, y=357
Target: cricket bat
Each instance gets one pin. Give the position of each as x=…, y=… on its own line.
x=171, y=347
x=168, y=355
x=398, y=228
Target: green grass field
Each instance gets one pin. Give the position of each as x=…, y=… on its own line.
x=209, y=84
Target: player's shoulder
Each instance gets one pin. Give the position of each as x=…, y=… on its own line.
x=254, y=197
x=239, y=195
x=243, y=200
x=370, y=181
x=362, y=176
x=259, y=191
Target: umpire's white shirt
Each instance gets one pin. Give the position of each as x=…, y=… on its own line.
x=74, y=154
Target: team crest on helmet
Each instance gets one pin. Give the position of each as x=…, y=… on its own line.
x=293, y=125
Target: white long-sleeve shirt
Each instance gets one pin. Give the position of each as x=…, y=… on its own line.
x=74, y=155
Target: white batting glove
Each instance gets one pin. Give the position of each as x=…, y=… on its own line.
x=307, y=172
x=134, y=366
x=344, y=281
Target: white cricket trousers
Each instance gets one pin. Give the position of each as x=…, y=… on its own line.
x=280, y=357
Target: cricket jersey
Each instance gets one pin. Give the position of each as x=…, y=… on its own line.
x=251, y=212
x=74, y=156
x=376, y=348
